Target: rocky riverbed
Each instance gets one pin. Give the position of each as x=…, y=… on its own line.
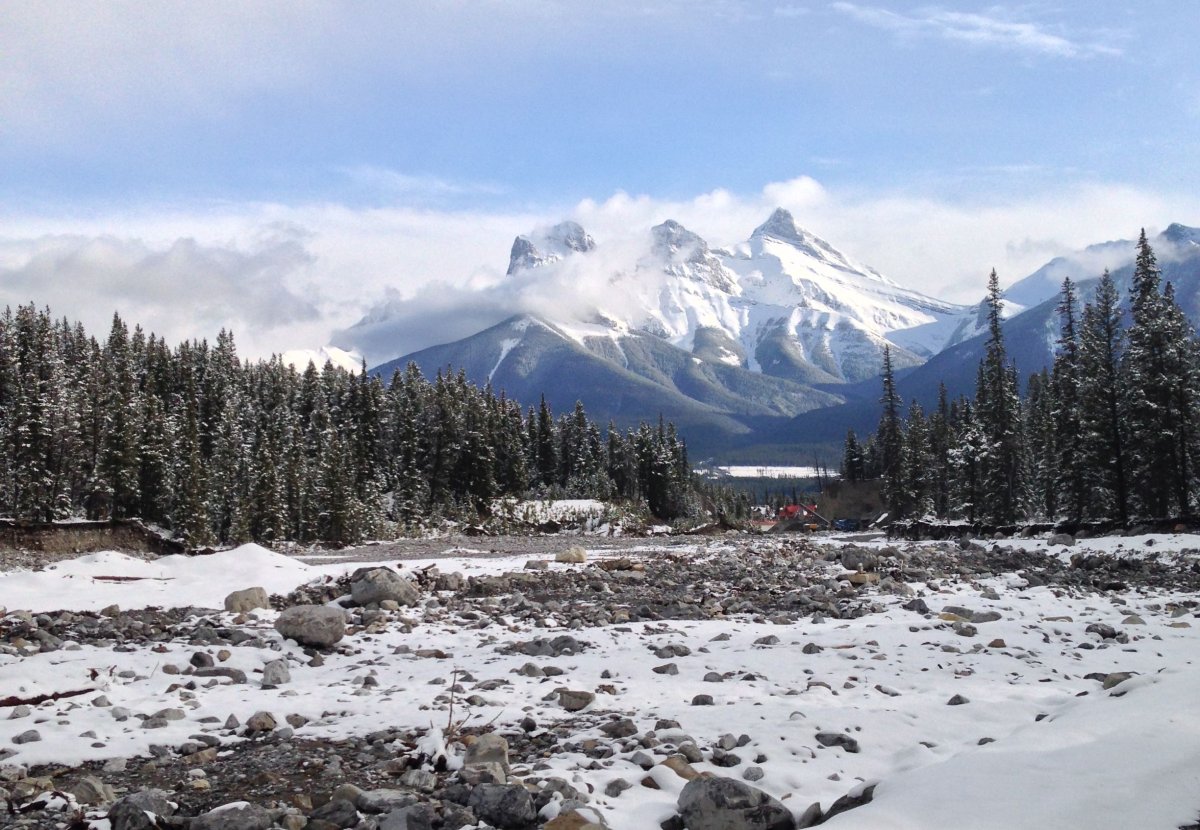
x=736, y=682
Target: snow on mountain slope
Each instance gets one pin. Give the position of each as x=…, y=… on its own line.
x=787, y=302
x=299, y=359
x=783, y=303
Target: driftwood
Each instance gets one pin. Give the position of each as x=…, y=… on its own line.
x=13, y=700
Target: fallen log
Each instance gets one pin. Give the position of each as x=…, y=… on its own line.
x=13, y=700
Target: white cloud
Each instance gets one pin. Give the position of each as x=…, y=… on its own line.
x=976, y=29
x=286, y=277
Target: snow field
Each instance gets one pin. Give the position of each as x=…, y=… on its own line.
x=1127, y=757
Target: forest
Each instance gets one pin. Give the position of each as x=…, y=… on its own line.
x=1110, y=432
x=219, y=450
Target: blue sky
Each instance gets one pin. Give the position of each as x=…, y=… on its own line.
x=309, y=159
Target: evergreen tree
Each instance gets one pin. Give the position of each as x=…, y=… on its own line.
x=852, y=459
x=1070, y=480
x=918, y=463
x=997, y=404
x=890, y=443
x=1148, y=378
x=1104, y=434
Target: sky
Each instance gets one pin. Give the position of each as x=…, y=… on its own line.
x=281, y=168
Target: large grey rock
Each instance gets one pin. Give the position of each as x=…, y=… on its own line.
x=488, y=749
x=574, y=700
x=574, y=555
x=384, y=800
x=339, y=812
x=245, y=817
x=137, y=810
x=415, y=817
x=729, y=804
x=275, y=673
x=1062, y=539
x=91, y=790
x=507, y=806
x=379, y=584
x=312, y=625
x=240, y=602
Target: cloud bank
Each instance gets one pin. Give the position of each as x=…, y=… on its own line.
x=288, y=276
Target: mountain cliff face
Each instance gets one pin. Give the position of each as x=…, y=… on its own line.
x=788, y=304
x=776, y=339
x=710, y=338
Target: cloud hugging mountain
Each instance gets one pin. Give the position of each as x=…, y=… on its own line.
x=775, y=339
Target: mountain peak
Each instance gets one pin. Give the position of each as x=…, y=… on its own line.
x=781, y=225
x=549, y=245
x=1181, y=234
x=671, y=237
x=571, y=236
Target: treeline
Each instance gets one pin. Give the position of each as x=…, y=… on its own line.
x=1110, y=432
x=220, y=450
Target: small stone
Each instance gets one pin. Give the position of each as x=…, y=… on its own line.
x=666, y=668
x=1116, y=679
x=838, y=739
x=261, y=722
x=617, y=786
x=574, y=701
x=622, y=728
x=276, y=673
x=201, y=660
x=957, y=700
x=702, y=700
x=29, y=736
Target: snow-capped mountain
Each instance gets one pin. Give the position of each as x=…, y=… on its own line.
x=545, y=247
x=784, y=303
x=708, y=337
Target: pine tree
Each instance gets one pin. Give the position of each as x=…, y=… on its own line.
x=1147, y=379
x=918, y=462
x=1042, y=448
x=852, y=458
x=1104, y=433
x=890, y=442
x=968, y=451
x=1070, y=481
x=997, y=404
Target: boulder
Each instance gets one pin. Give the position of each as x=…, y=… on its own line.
x=573, y=555
x=729, y=804
x=239, y=602
x=239, y=817
x=138, y=811
x=1062, y=539
x=506, y=806
x=378, y=584
x=91, y=790
x=488, y=749
x=573, y=701
x=312, y=625
x=276, y=673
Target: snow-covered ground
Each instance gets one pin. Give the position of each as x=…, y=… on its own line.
x=1036, y=744
x=752, y=471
